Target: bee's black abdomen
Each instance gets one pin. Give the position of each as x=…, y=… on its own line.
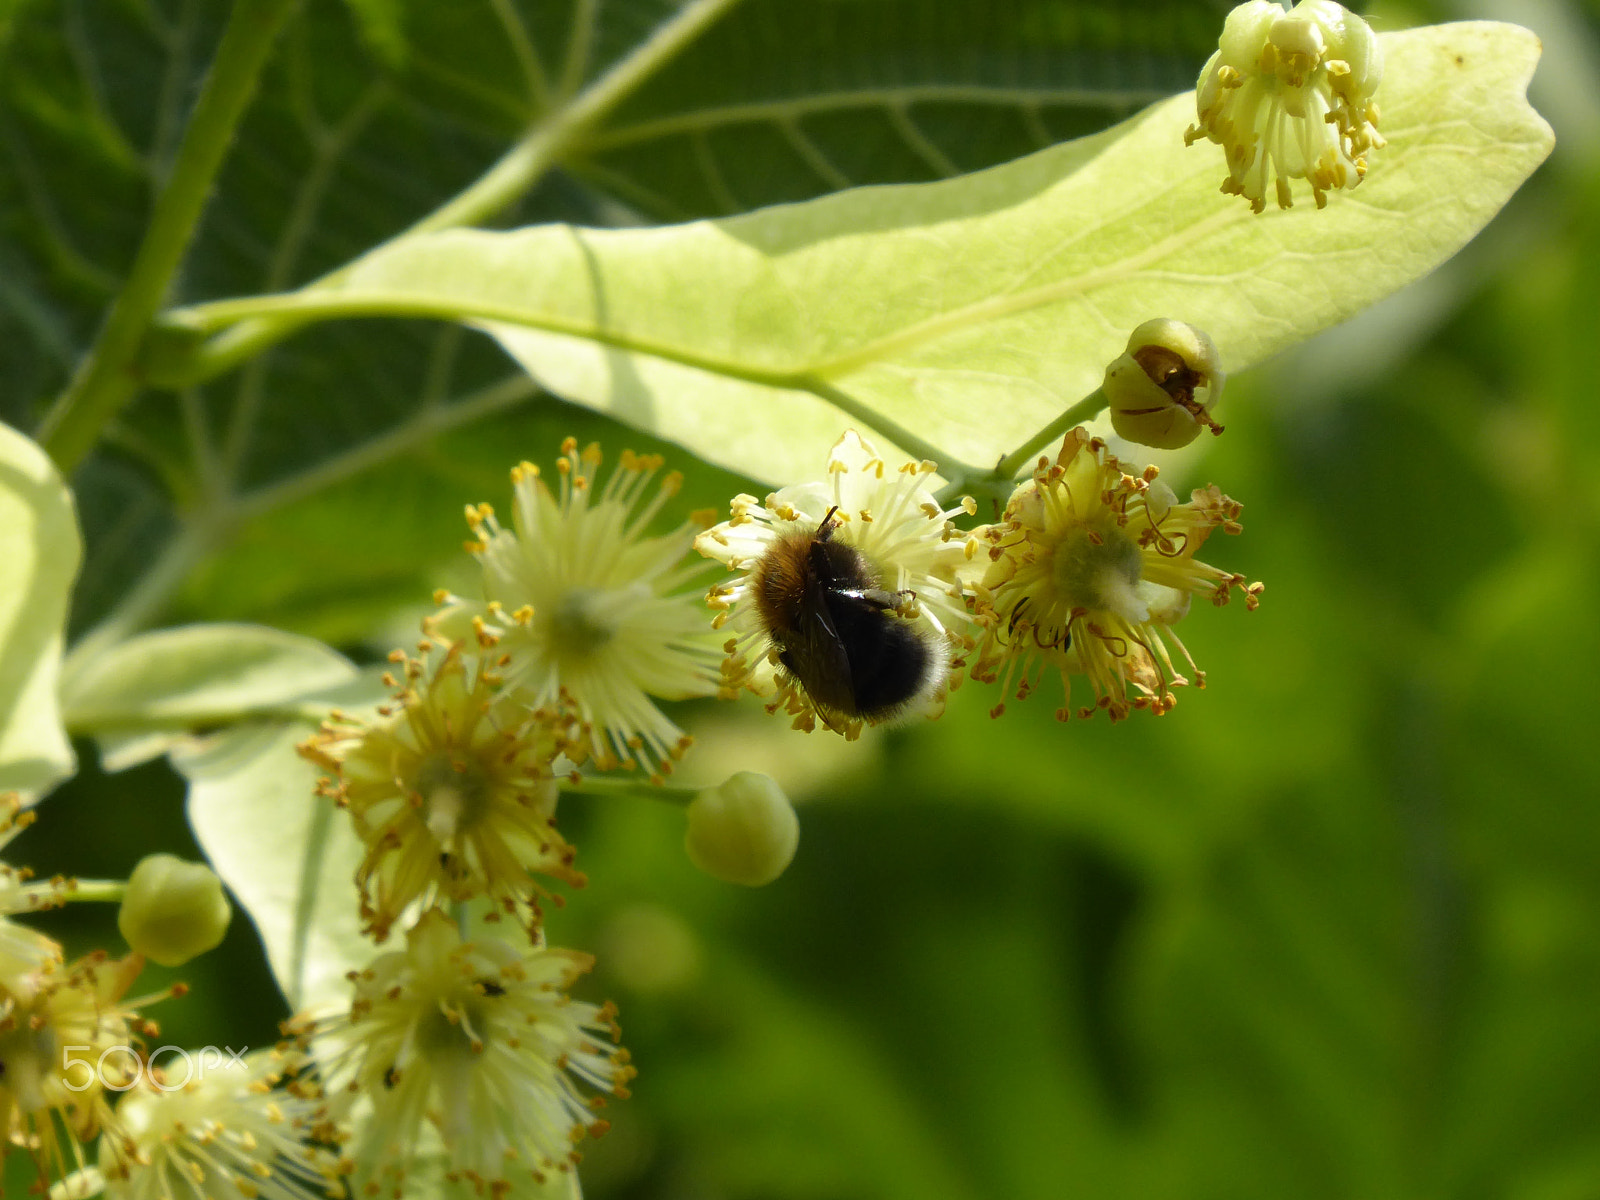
x=889, y=661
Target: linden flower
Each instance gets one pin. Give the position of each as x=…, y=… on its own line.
x=481, y=1040
x=892, y=519
x=60, y=1049
x=1089, y=568
x=1288, y=95
x=453, y=790
x=582, y=608
x=17, y=894
x=26, y=955
x=224, y=1133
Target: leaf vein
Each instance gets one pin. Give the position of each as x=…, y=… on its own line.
x=813, y=155
x=900, y=96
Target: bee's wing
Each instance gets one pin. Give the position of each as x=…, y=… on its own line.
x=823, y=662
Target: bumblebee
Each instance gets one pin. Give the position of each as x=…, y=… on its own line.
x=839, y=633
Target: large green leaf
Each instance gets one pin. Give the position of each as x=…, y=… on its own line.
x=971, y=311
x=781, y=101
x=775, y=101
x=40, y=548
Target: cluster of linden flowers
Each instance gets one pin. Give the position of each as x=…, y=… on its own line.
x=1289, y=95
x=82, y=1094
x=855, y=599
x=858, y=599
x=1085, y=574
x=460, y=1051
x=465, y=1044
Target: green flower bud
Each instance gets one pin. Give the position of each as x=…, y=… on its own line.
x=742, y=831
x=173, y=910
x=1151, y=388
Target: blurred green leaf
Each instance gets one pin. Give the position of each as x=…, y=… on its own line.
x=382, y=25
x=40, y=549
x=198, y=675
x=1280, y=1014
x=287, y=854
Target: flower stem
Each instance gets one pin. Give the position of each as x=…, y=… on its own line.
x=107, y=379
x=1023, y=455
x=502, y=184
x=995, y=485
x=92, y=890
x=314, y=303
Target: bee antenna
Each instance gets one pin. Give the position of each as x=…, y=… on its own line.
x=828, y=523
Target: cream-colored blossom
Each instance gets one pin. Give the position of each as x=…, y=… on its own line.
x=212, y=1128
x=453, y=789
x=66, y=1033
x=892, y=519
x=582, y=608
x=1288, y=95
x=1088, y=570
x=478, y=1039
x=27, y=956
x=60, y=1049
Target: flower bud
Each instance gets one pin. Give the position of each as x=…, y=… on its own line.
x=173, y=910
x=1151, y=388
x=742, y=831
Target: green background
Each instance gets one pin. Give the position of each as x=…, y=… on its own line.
x=1325, y=930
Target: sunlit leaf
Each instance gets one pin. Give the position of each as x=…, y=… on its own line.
x=40, y=548
x=974, y=310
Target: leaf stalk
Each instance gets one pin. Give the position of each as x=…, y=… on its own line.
x=499, y=187
x=107, y=378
